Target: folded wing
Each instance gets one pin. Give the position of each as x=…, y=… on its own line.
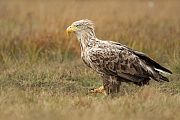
x=121, y=61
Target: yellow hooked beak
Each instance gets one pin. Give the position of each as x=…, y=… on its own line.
x=70, y=29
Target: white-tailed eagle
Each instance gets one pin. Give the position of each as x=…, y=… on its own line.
x=115, y=62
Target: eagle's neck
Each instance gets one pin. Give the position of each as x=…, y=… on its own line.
x=85, y=38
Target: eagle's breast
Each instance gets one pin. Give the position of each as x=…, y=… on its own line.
x=84, y=57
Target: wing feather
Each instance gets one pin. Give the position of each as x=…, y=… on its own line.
x=144, y=57
x=118, y=62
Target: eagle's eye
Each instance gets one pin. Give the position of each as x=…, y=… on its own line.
x=77, y=25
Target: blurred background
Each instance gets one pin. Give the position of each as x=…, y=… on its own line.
x=42, y=76
x=35, y=30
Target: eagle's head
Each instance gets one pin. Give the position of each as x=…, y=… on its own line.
x=82, y=27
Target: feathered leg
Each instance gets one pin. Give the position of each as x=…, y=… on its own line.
x=110, y=86
x=103, y=89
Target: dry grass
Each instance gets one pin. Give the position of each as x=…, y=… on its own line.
x=58, y=91
x=42, y=76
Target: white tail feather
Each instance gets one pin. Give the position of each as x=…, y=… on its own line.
x=161, y=71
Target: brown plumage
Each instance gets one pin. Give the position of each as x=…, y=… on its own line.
x=115, y=62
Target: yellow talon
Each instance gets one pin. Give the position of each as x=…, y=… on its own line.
x=99, y=90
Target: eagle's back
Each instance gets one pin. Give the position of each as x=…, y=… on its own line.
x=105, y=57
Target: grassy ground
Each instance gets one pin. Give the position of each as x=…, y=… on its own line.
x=42, y=76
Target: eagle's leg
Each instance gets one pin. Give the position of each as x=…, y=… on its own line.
x=115, y=87
x=111, y=87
